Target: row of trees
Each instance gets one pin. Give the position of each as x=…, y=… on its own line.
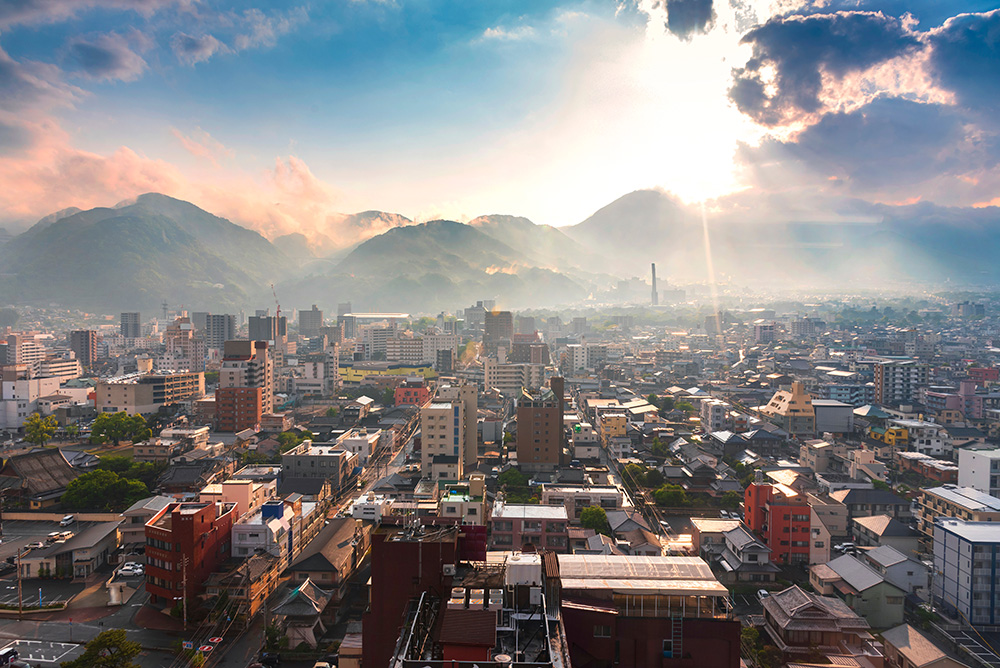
x=113, y=427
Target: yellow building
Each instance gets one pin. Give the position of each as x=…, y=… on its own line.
x=792, y=410
x=613, y=425
x=358, y=372
x=896, y=437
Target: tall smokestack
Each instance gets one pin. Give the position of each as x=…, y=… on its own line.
x=656, y=299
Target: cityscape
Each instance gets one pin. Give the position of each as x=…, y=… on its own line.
x=520, y=334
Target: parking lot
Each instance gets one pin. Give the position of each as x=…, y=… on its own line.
x=18, y=533
x=43, y=651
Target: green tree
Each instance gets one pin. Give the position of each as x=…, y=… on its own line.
x=658, y=447
x=145, y=472
x=634, y=474
x=211, y=377
x=109, y=649
x=39, y=430
x=331, y=412
x=388, y=397
x=653, y=399
x=118, y=427
x=685, y=406
x=770, y=657
x=878, y=484
x=731, y=500
x=653, y=478
x=673, y=496
x=103, y=490
x=512, y=477
x=594, y=517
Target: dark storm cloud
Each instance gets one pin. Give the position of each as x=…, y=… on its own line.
x=687, y=17
x=106, y=57
x=801, y=49
x=965, y=58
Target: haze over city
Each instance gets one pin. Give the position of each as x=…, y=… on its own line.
x=510, y=333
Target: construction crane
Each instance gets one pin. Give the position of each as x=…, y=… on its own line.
x=278, y=314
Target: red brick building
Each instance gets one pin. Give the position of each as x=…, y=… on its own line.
x=540, y=427
x=780, y=516
x=238, y=408
x=195, y=534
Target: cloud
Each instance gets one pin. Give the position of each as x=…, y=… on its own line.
x=28, y=12
x=262, y=31
x=687, y=17
x=965, y=58
x=795, y=57
x=14, y=136
x=32, y=85
x=502, y=34
x=106, y=58
x=191, y=50
x=203, y=145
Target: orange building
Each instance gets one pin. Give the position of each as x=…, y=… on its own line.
x=780, y=516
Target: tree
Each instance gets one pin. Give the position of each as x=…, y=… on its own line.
x=659, y=448
x=770, y=657
x=109, y=649
x=672, y=496
x=685, y=406
x=878, y=484
x=388, y=397
x=731, y=500
x=331, y=412
x=145, y=472
x=653, y=399
x=103, y=490
x=653, y=478
x=39, y=430
x=118, y=427
x=634, y=474
x=594, y=517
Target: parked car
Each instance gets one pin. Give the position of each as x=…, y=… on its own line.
x=844, y=547
x=8, y=655
x=36, y=545
x=270, y=659
x=66, y=521
x=762, y=594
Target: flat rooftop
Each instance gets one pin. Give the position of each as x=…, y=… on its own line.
x=974, y=532
x=967, y=497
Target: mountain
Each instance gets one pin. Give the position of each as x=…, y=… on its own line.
x=432, y=266
x=136, y=255
x=540, y=245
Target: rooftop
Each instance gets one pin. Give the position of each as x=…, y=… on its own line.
x=967, y=497
x=529, y=512
x=974, y=532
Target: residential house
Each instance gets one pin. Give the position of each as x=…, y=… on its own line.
x=332, y=557
x=868, y=502
x=863, y=588
x=745, y=559
x=879, y=530
x=906, y=647
x=905, y=572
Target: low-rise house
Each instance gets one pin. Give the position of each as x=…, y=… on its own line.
x=864, y=589
x=38, y=478
x=906, y=647
x=906, y=573
x=868, y=502
x=802, y=624
x=332, y=557
x=879, y=530
x=577, y=497
x=301, y=613
x=745, y=559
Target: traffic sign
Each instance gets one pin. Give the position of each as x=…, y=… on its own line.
x=206, y=648
x=187, y=644
x=215, y=641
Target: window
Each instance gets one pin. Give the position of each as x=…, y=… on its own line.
x=602, y=631
x=668, y=649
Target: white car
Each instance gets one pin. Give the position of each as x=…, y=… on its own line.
x=131, y=569
x=36, y=545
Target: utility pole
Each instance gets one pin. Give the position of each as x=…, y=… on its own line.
x=20, y=604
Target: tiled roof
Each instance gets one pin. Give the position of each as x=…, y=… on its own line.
x=914, y=645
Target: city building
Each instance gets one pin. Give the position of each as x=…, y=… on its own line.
x=965, y=566
x=310, y=322
x=442, y=433
x=246, y=385
x=20, y=391
x=131, y=326
x=144, y=394
x=309, y=467
x=898, y=382
x=540, y=428
x=219, y=328
x=513, y=526
x=577, y=497
x=882, y=530
x=792, y=410
x=412, y=392
x=83, y=343
x=964, y=503
x=780, y=516
x=498, y=330
x=468, y=395
x=744, y=558
x=185, y=542
x=980, y=469
x=510, y=379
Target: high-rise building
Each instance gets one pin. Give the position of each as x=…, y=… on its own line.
x=246, y=385
x=83, y=342
x=442, y=432
x=540, y=427
x=267, y=328
x=498, y=328
x=899, y=381
x=200, y=320
x=310, y=322
x=131, y=326
x=219, y=328
x=25, y=349
x=966, y=557
x=185, y=350
x=468, y=395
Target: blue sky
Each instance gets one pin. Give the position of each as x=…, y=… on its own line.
x=282, y=116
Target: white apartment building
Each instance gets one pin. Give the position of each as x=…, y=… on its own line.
x=510, y=378
x=19, y=397
x=714, y=415
x=980, y=470
x=468, y=395
x=362, y=442
x=925, y=437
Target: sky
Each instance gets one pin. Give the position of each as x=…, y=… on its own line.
x=283, y=116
